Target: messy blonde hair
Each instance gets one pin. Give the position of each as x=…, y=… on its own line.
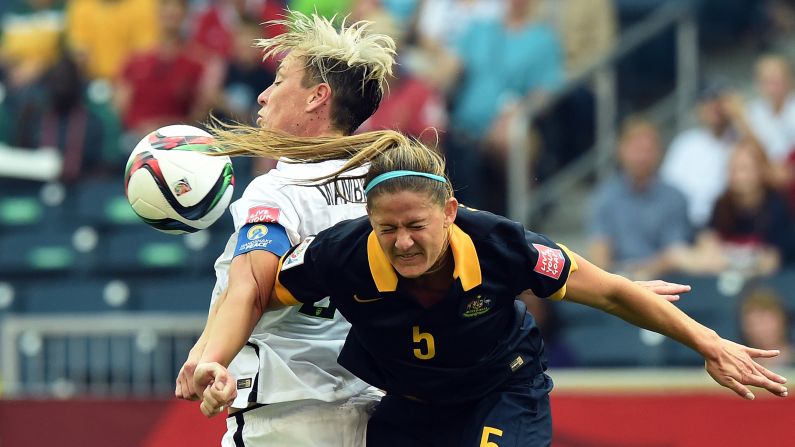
x=353, y=61
x=382, y=150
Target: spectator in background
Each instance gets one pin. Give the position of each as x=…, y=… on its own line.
x=638, y=224
x=236, y=99
x=63, y=121
x=772, y=113
x=167, y=84
x=588, y=31
x=751, y=229
x=697, y=160
x=439, y=25
x=103, y=34
x=587, y=28
x=31, y=41
x=410, y=105
x=764, y=323
x=216, y=27
x=500, y=64
x=245, y=75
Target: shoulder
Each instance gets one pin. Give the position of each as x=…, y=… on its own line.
x=338, y=246
x=611, y=187
x=345, y=236
x=489, y=229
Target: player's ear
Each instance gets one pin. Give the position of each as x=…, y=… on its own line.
x=450, y=211
x=319, y=96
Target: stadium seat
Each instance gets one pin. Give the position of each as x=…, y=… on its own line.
x=102, y=203
x=187, y=294
x=140, y=249
x=72, y=295
x=23, y=210
x=611, y=344
x=47, y=248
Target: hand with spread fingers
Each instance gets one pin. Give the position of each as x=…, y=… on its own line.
x=218, y=385
x=734, y=367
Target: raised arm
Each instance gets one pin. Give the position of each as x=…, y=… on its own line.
x=730, y=364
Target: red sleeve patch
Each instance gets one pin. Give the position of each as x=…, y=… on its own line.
x=550, y=261
x=262, y=214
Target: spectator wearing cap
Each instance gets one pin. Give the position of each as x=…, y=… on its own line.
x=697, y=160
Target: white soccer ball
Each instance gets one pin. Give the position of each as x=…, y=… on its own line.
x=173, y=185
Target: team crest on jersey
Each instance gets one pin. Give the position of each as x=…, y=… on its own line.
x=181, y=187
x=478, y=306
x=297, y=256
x=550, y=261
x=262, y=214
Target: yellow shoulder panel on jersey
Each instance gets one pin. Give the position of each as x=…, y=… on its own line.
x=467, y=264
x=383, y=274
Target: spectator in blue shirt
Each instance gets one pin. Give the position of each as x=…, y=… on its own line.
x=638, y=223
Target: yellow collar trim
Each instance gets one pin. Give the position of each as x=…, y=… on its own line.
x=383, y=274
x=467, y=265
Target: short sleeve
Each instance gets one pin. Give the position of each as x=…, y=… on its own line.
x=301, y=273
x=264, y=203
x=550, y=265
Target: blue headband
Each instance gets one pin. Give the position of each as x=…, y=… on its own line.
x=393, y=174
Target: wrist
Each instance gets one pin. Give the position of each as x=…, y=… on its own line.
x=708, y=345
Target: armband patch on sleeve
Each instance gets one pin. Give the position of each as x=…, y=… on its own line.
x=262, y=214
x=262, y=236
x=297, y=256
x=550, y=261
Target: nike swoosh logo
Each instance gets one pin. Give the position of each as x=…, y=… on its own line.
x=365, y=300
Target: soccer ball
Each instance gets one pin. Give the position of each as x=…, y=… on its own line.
x=173, y=185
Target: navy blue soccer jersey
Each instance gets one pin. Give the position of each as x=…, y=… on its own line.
x=460, y=348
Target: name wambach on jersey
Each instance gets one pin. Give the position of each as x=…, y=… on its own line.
x=291, y=354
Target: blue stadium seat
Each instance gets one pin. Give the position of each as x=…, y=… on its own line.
x=140, y=249
x=70, y=295
x=47, y=248
x=610, y=344
x=102, y=202
x=174, y=294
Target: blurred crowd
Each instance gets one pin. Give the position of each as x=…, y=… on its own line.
x=91, y=77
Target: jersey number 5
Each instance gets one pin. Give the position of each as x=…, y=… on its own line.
x=430, y=346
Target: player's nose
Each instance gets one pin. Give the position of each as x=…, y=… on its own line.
x=262, y=98
x=403, y=240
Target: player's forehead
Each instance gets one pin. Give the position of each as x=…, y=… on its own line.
x=292, y=65
x=403, y=207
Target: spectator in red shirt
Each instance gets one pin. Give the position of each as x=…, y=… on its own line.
x=167, y=84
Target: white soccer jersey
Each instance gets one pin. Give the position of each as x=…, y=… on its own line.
x=292, y=354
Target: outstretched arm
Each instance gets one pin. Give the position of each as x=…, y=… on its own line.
x=730, y=364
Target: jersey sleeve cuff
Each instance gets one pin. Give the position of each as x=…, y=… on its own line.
x=561, y=293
